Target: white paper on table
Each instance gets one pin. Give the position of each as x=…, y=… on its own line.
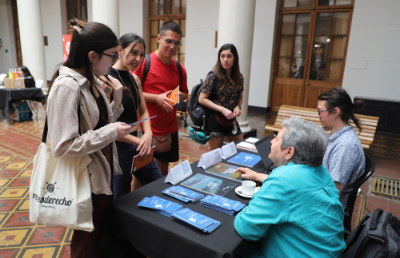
x=210, y=158
x=252, y=140
x=179, y=173
x=228, y=150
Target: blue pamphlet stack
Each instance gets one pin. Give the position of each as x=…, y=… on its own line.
x=221, y=204
x=183, y=194
x=160, y=205
x=197, y=220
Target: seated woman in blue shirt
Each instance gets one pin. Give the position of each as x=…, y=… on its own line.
x=297, y=212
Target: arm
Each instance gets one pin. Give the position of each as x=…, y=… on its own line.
x=253, y=222
x=63, y=125
x=339, y=186
x=161, y=99
x=237, y=111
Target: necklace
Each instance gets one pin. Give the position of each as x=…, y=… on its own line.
x=139, y=130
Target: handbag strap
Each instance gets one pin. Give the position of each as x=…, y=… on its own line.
x=46, y=129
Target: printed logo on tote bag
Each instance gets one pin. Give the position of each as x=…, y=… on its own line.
x=48, y=200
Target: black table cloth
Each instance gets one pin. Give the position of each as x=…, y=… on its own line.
x=6, y=95
x=126, y=225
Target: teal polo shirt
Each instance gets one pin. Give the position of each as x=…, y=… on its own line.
x=296, y=213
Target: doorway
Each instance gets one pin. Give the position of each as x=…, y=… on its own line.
x=311, y=51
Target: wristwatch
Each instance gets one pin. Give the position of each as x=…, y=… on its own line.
x=240, y=107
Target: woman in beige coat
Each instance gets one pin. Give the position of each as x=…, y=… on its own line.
x=93, y=130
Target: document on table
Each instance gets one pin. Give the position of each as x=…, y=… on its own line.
x=179, y=173
x=210, y=159
x=228, y=150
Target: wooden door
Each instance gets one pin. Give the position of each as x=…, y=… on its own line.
x=310, y=51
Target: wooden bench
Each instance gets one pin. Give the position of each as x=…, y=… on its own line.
x=182, y=115
x=368, y=123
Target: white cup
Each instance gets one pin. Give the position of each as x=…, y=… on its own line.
x=248, y=187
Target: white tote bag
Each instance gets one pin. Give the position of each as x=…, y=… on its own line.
x=60, y=193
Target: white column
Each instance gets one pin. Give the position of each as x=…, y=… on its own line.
x=107, y=12
x=236, y=26
x=31, y=35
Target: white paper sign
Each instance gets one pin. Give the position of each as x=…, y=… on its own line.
x=179, y=173
x=210, y=158
x=228, y=150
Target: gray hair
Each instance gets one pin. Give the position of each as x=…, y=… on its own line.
x=308, y=140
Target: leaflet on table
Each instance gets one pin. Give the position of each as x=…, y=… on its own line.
x=225, y=170
x=252, y=140
x=160, y=205
x=204, y=223
x=245, y=159
x=208, y=184
x=179, y=173
x=247, y=146
x=210, y=159
x=222, y=204
x=180, y=193
x=228, y=150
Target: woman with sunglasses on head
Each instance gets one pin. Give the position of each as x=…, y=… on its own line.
x=93, y=130
x=222, y=93
x=131, y=52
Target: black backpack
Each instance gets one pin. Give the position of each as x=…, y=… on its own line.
x=198, y=112
x=376, y=236
x=147, y=69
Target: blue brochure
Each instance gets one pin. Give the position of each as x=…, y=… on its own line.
x=197, y=220
x=222, y=204
x=245, y=159
x=160, y=205
x=183, y=194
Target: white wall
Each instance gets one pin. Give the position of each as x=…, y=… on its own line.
x=373, y=57
x=201, y=55
x=133, y=17
x=52, y=28
x=7, y=60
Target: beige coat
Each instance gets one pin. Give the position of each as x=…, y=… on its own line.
x=63, y=134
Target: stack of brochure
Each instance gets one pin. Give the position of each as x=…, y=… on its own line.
x=222, y=204
x=183, y=194
x=197, y=220
x=160, y=205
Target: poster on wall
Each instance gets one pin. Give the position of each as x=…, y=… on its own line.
x=66, y=45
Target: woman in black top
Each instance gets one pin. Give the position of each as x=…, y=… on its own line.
x=131, y=51
x=23, y=72
x=222, y=93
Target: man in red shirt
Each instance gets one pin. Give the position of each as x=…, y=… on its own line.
x=163, y=77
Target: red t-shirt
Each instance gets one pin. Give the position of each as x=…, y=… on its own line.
x=162, y=78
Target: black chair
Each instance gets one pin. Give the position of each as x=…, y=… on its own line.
x=348, y=210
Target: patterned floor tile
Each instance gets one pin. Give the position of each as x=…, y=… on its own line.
x=65, y=252
x=3, y=217
x=16, y=165
x=8, y=173
x=13, y=192
x=69, y=236
x=4, y=181
x=4, y=159
x=9, y=253
x=14, y=237
x=23, y=206
x=8, y=205
x=26, y=173
x=18, y=219
x=47, y=235
x=19, y=182
x=40, y=251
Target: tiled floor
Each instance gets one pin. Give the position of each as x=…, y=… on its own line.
x=19, y=143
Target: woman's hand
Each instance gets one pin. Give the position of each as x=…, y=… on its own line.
x=144, y=147
x=248, y=174
x=122, y=129
x=237, y=112
x=117, y=89
x=227, y=113
x=162, y=100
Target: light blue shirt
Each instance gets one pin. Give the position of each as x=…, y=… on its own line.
x=296, y=213
x=344, y=158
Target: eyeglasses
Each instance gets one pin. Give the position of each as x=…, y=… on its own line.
x=114, y=57
x=176, y=43
x=321, y=110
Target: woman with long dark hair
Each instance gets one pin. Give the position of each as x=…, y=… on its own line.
x=93, y=130
x=222, y=93
x=23, y=72
x=131, y=51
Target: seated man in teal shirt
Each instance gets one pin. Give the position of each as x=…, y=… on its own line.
x=297, y=212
